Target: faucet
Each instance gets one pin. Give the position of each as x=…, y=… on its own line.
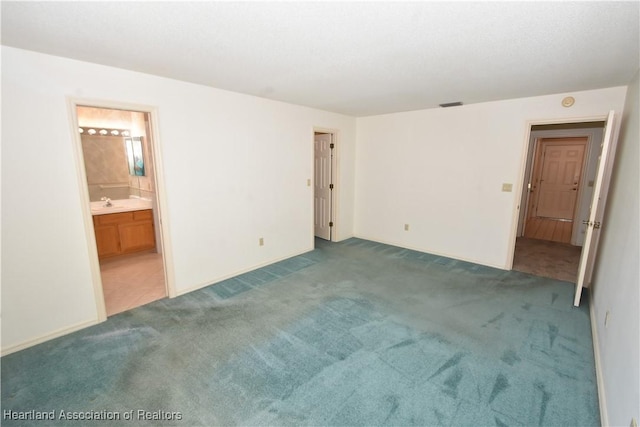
x=108, y=202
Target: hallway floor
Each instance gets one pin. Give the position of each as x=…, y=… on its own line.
x=132, y=281
x=549, y=229
x=547, y=259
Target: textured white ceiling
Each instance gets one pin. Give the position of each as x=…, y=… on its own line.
x=357, y=58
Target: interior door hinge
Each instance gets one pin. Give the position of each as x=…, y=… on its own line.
x=331, y=224
x=596, y=224
x=332, y=145
x=330, y=186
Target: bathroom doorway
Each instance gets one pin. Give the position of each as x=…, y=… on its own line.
x=117, y=154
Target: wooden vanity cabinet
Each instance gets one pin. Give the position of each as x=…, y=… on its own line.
x=124, y=233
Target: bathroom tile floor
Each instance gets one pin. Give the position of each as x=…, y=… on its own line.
x=132, y=281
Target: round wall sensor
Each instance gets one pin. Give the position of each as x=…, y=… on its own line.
x=568, y=101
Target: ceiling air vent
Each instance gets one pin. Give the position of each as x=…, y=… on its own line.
x=451, y=104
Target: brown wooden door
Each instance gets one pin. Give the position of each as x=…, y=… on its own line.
x=137, y=236
x=107, y=240
x=559, y=179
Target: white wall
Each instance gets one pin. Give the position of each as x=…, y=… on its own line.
x=616, y=282
x=235, y=169
x=441, y=171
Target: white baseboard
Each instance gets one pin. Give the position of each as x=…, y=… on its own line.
x=82, y=325
x=430, y=252
x=602, y=399
x=237, y=273
x=47, y=337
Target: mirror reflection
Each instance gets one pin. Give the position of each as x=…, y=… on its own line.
x=135, y=156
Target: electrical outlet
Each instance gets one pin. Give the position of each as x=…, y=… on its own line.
x=406, y=227
x=261, y=241
x=308, y=183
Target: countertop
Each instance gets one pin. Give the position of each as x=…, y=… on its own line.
x=122, y=205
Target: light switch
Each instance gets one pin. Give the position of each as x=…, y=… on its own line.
x=507, y=187
x=308, y=183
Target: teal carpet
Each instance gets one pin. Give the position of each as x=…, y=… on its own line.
x=353, y=333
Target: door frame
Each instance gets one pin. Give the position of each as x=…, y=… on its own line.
x=335, y=194
x=83, y=188
x=525, y=171
x=534, y=136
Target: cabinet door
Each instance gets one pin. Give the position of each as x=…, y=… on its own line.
x=137, y=236
x=107, y=241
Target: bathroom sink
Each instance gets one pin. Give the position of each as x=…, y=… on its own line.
x=108, y=209
x=120, y=205
x=99, y=208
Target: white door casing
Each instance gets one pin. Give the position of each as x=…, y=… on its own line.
x=322, y=200
x=596, y=212
x=160, y=205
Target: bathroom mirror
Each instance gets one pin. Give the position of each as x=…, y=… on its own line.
x=135, y=157
x=118, y=162
x=106, y=166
